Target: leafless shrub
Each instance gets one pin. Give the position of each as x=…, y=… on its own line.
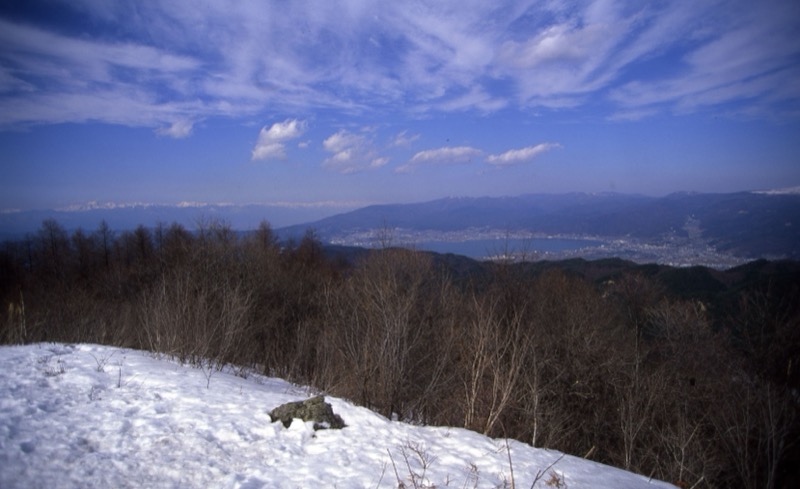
x=16, y=323
x=554, y=477
x=556, y=480
x=416, y=461
x=753, y=426
x=103, y=360
x=53, y=370
x=496, y=354
x=196, y=319
x=378, y=334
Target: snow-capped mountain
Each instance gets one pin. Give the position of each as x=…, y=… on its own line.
x=780, y=191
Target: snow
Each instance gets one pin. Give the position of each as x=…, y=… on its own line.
x=95, y=416
x=780, y=191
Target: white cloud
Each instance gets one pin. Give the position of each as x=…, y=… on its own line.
x=351, y=153
x=178, y=130
x=342, y=141
x=563, y=60
x=475, y=99
x=447, y=154
x=444, y=155
x=467, y=154
x=271, y=142
x=514, y=156
x=403, y=139
x=631, y=115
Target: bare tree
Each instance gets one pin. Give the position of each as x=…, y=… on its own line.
x=497, y=345
x=105, y=238
x=754, y=425
x=377, y=322
x=54, y=248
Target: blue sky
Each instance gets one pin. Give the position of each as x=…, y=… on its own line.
x=346, y=103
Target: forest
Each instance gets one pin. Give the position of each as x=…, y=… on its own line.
x=684, y=375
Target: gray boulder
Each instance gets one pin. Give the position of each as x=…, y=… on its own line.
x=314, y=409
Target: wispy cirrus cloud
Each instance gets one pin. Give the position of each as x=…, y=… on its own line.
x=271, y=142
x=521, y=155
x=174, y=63
x=404, y=139
x=53, y=78
x=632, y=115
x=739, y=61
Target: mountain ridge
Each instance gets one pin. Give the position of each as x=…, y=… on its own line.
x=748, y=224
x=745, y=224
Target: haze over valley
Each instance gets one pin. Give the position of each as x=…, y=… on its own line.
x=717, y=230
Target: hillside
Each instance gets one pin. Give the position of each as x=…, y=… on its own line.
x=92, y=416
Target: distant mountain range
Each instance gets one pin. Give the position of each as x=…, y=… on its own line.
x=16, y=224
x=745, y=224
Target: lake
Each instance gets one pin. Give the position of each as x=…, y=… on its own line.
x=482, y=248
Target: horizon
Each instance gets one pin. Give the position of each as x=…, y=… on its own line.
x=350, y=104
x=15, y=223
x=111, y=205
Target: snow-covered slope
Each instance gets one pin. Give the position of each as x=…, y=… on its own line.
x=94, y=416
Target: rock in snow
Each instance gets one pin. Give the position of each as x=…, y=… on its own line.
x=315, y=409
x=92, y=416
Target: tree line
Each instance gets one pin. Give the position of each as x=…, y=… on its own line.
x=620, y=371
